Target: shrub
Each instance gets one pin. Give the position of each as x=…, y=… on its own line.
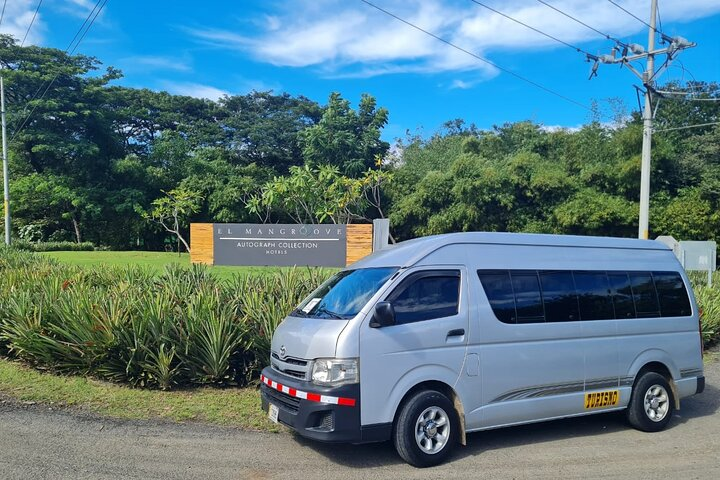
x=127, y=324
x=182, y=327
x=53, y=246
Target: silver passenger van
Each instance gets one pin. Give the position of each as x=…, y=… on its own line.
x=445, y=335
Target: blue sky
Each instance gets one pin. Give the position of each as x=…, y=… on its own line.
x=314, y=47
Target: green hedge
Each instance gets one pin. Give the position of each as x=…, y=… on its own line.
x=53, y=246
x=183, y=327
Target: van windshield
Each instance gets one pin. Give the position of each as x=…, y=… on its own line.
x=344, y=294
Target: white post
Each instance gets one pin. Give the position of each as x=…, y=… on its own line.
x=643, y=228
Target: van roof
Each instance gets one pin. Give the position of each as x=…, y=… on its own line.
x=408, y=253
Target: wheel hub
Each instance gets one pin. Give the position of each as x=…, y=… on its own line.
x=656, y=403
x=430, y=429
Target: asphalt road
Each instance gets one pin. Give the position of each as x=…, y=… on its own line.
x=38, y=443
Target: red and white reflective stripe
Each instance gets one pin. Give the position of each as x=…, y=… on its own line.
x=313, y=397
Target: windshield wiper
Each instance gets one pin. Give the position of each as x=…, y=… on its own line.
x=324, y=310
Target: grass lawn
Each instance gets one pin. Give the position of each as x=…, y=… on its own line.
x=155, y=260
x=238, y=407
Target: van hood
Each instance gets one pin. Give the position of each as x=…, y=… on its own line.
x=308, y=338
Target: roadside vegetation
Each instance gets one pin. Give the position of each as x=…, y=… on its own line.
x=183, y=327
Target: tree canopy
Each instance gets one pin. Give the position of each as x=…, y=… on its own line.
x=90, y=161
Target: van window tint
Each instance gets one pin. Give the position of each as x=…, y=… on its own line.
x=621, y=294
x=559, y=298
x=528, y=301
x=427, y=296
x=529, y=296
x=674, y=301
x=498, y=289
x=593, y=290
x=644, y=295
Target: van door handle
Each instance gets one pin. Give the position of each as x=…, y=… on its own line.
x=458, y=332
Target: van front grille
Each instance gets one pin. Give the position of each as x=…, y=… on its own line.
x=292, y=367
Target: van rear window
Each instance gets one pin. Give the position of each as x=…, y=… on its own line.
x=523, y=296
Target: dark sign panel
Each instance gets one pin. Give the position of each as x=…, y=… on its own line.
x=279, y=244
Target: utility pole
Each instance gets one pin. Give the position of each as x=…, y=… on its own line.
x=644, y=227
x=6, y=174
x=647, y=77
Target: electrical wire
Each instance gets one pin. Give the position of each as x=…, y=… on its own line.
x=2, y=15
x=31, y=23
x=606, y=35
x=576, y=48
x=686, y=127
x=636, y=17
x=476, y=56
x=102, y=4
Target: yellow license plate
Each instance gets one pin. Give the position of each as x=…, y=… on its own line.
x=608, y=398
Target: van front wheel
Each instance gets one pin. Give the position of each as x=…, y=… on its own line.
x=426, y=429
x=651, y=403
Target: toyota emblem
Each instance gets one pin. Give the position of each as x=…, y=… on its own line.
x=282, y=351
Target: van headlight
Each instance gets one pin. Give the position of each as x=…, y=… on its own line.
x=335, y=371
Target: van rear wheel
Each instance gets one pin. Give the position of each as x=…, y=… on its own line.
x=651, y=403
x=426, y=429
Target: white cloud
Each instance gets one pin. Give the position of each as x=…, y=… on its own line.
x=196, y=90
x=351, y=39
x=17, y=18
x=153, y=62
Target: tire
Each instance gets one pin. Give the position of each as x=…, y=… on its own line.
x=426, y=429
x=651, y=403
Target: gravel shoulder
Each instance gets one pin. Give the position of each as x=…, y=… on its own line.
x=36, y=442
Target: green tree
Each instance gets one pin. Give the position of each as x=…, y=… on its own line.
x=173, y=211
x=346, y=139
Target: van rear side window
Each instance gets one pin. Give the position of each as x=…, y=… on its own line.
x=516, y=297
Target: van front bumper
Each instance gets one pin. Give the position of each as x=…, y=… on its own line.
x=327, y=414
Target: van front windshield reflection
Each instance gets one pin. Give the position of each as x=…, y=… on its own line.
x=344, y=294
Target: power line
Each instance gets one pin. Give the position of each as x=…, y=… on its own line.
x=687, y=126
x=607, y=36
x=31, y=22
x=2, y=15
x=576, y=48
x=476, y=56
x=82, y=26
x=67, y=50
x=635, y=17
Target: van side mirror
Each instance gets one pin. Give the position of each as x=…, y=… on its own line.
x=384, y=315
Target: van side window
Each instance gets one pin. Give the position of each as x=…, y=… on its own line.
x=427, y=295
x=622, y=295
x=593, y=290
x=644, y=294
x=530, y=296
x=498, y=289
x=528, y=301
x=559, y=297
x=674, y=301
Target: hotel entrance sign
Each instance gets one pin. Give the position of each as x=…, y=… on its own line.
x=279, y=244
